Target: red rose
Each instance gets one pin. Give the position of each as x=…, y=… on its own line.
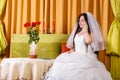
x=38, y=23
x=33, y=24
x=27, y=24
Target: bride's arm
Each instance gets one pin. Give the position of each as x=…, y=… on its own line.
x=88, y=36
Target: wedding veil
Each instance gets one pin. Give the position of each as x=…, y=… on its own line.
x=98, y=41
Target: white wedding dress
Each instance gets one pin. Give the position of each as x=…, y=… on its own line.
x=79, y=65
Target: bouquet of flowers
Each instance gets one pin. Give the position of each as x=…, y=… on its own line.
x=32, y=31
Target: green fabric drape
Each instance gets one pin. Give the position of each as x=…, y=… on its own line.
x=113, y=39
x=3, y=42
x=2, y=5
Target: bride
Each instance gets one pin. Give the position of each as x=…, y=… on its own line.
x=81, y=63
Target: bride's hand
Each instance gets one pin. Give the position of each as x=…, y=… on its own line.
x=85, y=28
x=70, y=51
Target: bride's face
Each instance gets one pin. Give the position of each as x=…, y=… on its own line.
x=82, y=21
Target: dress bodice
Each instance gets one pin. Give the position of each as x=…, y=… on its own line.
x=80, y=46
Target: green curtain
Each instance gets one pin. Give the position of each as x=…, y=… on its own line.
x=3, y=42
x=113, y=39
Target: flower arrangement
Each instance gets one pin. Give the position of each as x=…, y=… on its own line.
x=33, y=31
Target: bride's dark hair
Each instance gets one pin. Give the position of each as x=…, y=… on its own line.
x=78, y=26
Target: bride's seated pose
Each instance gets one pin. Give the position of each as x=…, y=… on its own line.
x=81, y=63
